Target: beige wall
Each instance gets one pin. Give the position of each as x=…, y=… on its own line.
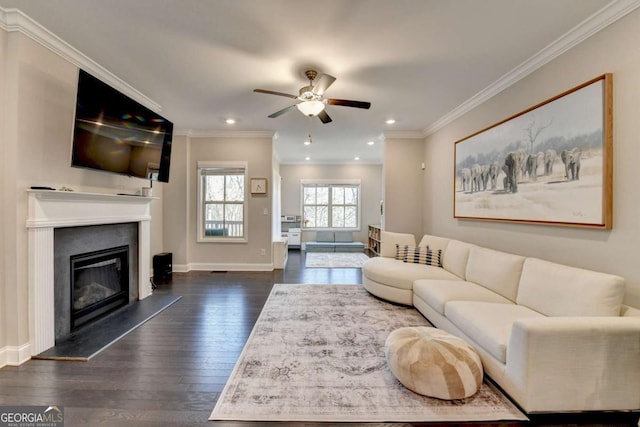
x=3, y=182
x=38, y=97
x=370, y=177
x=176, y=201
x=403, y=181
x=181, y=203
x=615, y=50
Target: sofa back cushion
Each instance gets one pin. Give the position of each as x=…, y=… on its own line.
x=325, y=236
x=455, y=258
x=389, y=240
x=343, y=236
x=559, y=290
x=498, y=271
x=434, y=242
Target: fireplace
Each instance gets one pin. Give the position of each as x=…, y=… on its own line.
x=99, y=284
x=54, y=212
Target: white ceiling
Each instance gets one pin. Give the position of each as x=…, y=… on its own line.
x=414, y=60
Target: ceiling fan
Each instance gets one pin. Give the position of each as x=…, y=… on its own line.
x=312, y=101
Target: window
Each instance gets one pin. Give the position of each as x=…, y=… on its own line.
x=222, y=198
x=333, y=205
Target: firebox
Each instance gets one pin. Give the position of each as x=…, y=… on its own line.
x=99, y=284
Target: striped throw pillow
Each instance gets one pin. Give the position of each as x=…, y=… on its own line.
x=401, y=251
x=424, y=255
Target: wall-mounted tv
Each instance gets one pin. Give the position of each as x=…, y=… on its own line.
x=114, y=133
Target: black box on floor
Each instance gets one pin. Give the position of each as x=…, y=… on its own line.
x=162, y=266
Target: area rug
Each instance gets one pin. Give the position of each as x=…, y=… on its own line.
x=316, y=354
x=334, y=260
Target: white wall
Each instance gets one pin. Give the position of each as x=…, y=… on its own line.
x=615, y=49
x=371, y=190
x=181, y=203
x=38, y=100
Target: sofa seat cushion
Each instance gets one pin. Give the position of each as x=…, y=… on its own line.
x=399, y=274
x=437, y=293
x=349, y=246
x=320, y=247
x=488, y=324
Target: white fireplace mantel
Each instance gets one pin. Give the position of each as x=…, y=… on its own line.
x=54, y=209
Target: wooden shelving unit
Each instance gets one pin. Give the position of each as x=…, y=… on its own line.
x=374, y=242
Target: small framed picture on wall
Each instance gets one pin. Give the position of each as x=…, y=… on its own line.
x=258, y=185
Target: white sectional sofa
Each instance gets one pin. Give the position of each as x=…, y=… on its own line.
x=555, y=338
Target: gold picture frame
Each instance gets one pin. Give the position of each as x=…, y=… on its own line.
x=550, y=142
x=259, y=185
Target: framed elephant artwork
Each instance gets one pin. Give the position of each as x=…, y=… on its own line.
x=551, y=164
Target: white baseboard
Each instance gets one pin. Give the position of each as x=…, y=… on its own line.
x=180, y=268
x=196, y=266
x=14, y=355
x=229, y=267
x=185, y=268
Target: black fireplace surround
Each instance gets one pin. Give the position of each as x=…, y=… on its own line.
x=95, y=272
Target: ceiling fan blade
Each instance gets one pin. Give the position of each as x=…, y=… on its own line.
x=281, y=112
x=324, y=117
x=271, y=92
x=348, y=103
x=322, y=83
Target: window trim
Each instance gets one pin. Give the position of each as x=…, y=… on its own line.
x=201, y=237
x=329, y=182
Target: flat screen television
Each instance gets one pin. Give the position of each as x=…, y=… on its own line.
x=114, y=133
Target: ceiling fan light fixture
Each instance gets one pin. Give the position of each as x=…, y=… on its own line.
x=310, y=108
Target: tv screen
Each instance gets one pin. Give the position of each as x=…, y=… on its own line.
x=114, y=133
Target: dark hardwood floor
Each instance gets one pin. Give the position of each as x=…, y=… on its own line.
x=171, y=370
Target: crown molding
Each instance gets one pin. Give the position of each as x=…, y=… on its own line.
x=590, y=26
x=14, y=20
x=404, y=134
x=224, y=133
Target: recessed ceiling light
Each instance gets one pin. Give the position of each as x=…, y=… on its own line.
x=390, y=121
x=307, y=142
x=356, y=158
x=370, y=143
x=307, y=158
x=230, y=121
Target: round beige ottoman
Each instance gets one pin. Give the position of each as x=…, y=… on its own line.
x=434, y=363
